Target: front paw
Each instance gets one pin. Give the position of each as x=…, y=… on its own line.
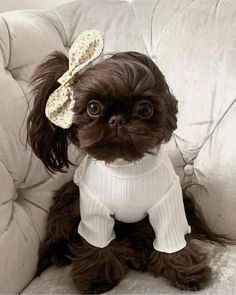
x=100, y=287
x=187, y=269
x=93, y=286
x=192, y=281
x=95, y=281
x=96, y=270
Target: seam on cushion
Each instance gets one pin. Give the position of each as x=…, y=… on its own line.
x=3, y=58
x=155, y=7
x=25, y=144
x=23, y=91
x=137, y=27
x=34, y=204
x=182, y=155
x=8, y=201
x=30, y=218
x=66, y=37
x=165, y=30
x=7, y=171
x=9, y=221
x=20, y=131
x=30, y=161
x=5, y=202
x=19, y=80
x=20, y=138
x=217, y=7
x=217, y=124
x=3, y=55
x=9, y=38
x=45, y=16
x=209, y=135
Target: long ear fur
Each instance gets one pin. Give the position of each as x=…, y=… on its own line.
x=170, y=101
x=48, y=141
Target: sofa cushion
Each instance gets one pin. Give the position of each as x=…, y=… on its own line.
x=58, y=280
x=26, y=188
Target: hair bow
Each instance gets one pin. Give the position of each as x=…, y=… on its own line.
x=87, y=47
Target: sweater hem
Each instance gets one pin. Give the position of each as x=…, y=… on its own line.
x=94, y=243
x=170, y=251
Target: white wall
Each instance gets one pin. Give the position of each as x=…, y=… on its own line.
x=6, y=5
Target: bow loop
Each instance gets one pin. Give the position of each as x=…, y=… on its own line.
x=87, y=47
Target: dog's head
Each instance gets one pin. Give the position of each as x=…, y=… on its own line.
x=123, y=109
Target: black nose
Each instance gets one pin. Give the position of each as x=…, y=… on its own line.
x=117, y=121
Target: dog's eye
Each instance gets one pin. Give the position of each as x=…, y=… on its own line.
x=144, y=109
x=94, y=108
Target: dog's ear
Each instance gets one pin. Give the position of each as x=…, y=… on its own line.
x=48, y=141
x=171, y=104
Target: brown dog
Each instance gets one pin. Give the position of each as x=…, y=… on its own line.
x=130, y=85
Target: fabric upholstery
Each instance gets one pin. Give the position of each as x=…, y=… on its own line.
x=58, y=281
x=193, y=42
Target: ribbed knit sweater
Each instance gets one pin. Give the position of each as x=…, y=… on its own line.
x=128, y=192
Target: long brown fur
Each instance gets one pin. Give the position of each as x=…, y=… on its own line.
x=63, y=219
x=187, y=269
x=132, y=76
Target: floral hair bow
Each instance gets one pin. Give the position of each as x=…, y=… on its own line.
x=87, y=47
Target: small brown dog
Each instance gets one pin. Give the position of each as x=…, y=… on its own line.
x=114, y=86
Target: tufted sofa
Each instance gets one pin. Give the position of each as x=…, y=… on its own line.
x=194, y=44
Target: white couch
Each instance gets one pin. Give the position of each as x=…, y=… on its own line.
x=194, y=44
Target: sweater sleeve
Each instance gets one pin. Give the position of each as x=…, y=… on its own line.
x=169, y=221
x=96, y=225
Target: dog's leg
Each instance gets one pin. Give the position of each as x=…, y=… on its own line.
x=140, y=236
x=63, y=219
x=98, y=270
x=187, y=269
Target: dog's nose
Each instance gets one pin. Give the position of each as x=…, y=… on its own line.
x=117, y=121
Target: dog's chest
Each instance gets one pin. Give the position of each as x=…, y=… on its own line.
x=127, y=189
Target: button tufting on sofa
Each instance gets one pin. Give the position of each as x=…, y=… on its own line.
x=188, y=169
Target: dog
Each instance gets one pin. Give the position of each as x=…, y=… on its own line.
x=123, y=110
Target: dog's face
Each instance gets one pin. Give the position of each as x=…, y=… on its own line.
x=119, y=127
x=123, y=109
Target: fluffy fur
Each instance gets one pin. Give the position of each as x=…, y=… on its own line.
x=121, y=86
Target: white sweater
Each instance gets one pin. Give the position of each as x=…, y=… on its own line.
x=128, y=192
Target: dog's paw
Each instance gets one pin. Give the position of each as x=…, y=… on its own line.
x=60, y=259
x=186, y=269
x=193, y=282
x=102, y=287
x=95, y=287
